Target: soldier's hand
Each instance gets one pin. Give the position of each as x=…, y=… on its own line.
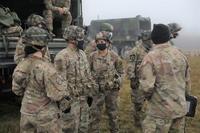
x=61, y=10
x=65, y=10
x=132, y=83
x=65, y=104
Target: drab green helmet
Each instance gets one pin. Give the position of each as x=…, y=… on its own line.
x=35, y=20
x=73, y=33
x=104, y=36
x=174, y=27
x=106, y=27
x=35, y=36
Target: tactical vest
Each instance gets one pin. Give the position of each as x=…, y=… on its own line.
x=103, y=70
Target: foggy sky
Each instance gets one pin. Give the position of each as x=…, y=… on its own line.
x=184, y=12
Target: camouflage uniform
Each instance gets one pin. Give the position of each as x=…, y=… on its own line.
x=107, y=72
x=72, y=63
x=91, y=47
x=52, y=11
x=135, y=58
x=41, y=86
x=33, y=20
x=164, y=81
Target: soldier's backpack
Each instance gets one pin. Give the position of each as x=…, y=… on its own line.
x=9, y=22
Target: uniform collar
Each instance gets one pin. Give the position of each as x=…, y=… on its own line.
x=163, y=45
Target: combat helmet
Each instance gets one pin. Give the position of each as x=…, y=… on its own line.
x=174, y=28
x=35, y=20
x=73, y=33
x=104, y=36
x=35, y=36
x=106, y=27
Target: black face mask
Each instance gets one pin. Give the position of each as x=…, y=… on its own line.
x=80, y=45
x=101, y=46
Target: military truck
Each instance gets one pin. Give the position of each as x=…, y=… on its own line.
x=7, y=44
x=126, y=31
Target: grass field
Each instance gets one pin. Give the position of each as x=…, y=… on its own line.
x=9, y=111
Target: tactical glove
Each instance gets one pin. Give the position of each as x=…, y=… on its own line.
x=65, y=105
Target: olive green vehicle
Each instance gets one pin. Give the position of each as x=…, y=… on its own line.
x=24, y=8
x=126, y=31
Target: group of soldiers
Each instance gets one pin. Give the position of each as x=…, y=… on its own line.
x=68, y=95
x=159, y=76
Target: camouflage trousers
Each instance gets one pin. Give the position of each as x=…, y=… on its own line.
x=110, y=100
x=77, y=120
x=84, y=116
x=153, y=124
x=46, y=121
x=138, y=113
x=66, y=19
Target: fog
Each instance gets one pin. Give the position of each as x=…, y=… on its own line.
x=184, y=12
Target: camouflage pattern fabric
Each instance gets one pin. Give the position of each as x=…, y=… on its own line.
x=104, y=35
x=73, y=33
x=110, y=100
x=104, y=70
x=23, y=41
x=35, y=20
x=165, y=81
x=20, y=54
x=153, y=124
x=70, y=119
x=52, y=11
x=135, y=58
x=12, y=31
x=46, y=121
x=73, y=64
x=90, y=47
x=39, y=109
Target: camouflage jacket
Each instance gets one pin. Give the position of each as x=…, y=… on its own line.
x=54, y=4
x=39, y=84
x=165, y=81
x=106, y=70
x=20, y=53
x=73, y=65
x=135, y=58
x=90, y=48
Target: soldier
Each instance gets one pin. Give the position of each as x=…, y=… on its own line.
x=164, y=81
x=60, y=9
x=40, y=85
x=136, y=55
x=91, y=46
x=106, y=67
x=174, y=28
x=72, y=63
x=33, y=20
